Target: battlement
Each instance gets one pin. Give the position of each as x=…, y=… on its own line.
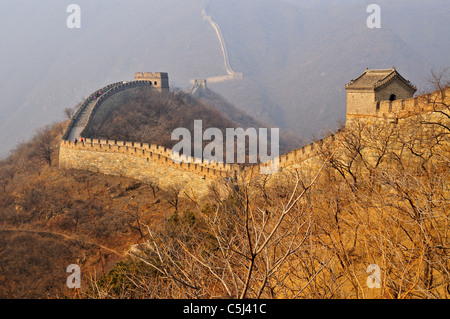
x=159, y=80
x=304, y=153
x=199, y=87
x=200, y=82
x=374, y=86
x=386, y=110
x=144, y=161
x=151, y=149
x=402, y=108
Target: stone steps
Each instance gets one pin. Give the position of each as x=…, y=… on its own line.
x=81, y=122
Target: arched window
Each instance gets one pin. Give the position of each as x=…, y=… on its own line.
x=392, y=97
x=155, y=83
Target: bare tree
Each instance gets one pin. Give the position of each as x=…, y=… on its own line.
x=399, y=209
x=3, y=181
x=173, y=196
x=69, y=112
x=8, y=169
x=44, y=145
x=242, y=248
x=154, y=185
x=375, y=195
x=438, y=80
x=135, y=220
x=437, y=96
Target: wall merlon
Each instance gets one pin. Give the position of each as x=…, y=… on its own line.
x=406, y=107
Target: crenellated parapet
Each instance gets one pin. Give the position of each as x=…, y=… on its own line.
x=143, y=163
x=116, y=88
x=159, y=80
x=390, y=111
x=410, y=107
x=83, y=106
x=402, y=108
x=155, y=153
x=146, y=161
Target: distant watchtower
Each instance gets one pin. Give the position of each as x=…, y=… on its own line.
x=199, y=88
x=158, y=80
x=366, y=91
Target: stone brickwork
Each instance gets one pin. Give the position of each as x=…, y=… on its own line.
x=118, y=87
x=159, y=80
x=147, y=162
x=373, y=86
x=143, y=162
x=401, y=108
x=395, y=87
x=83, y=106
x=360, y=102
x=392, y=112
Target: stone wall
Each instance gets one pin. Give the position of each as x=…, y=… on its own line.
x=402, y=107
x=118, y=87
x=388, y=111
x=83, y=105
x=144, y=162
x=360, y=102
x=397, y=87
x=409, y=107
x=159, y=80
x=149, y=161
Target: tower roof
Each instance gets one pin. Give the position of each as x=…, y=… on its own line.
x=376, y=79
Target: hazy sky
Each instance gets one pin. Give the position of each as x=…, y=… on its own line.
x=283, y=47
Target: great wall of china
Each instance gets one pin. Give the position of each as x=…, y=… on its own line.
x=134, y=159
x=231, y=75
x=150, y=162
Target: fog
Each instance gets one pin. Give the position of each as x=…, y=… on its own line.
x=295, y=56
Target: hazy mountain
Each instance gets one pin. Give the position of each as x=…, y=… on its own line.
x=302, y=57
x=296, y=56
x=288, y=140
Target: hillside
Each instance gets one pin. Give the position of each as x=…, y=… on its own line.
x=375, y=197
x=51, y=218
x=365, y=217
x=359, y=210
x=218, y=102
x=146, y=116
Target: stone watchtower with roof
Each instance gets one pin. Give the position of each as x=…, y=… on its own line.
x=366, y=91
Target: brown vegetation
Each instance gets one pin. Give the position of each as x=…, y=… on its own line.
x=146, y=116
x=51, y=218
x=379, y=196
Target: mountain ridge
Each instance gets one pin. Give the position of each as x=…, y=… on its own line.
x=282, y=47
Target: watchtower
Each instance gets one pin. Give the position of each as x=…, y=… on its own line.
x=366, y=91
x=158, y=80
x=199, y=88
